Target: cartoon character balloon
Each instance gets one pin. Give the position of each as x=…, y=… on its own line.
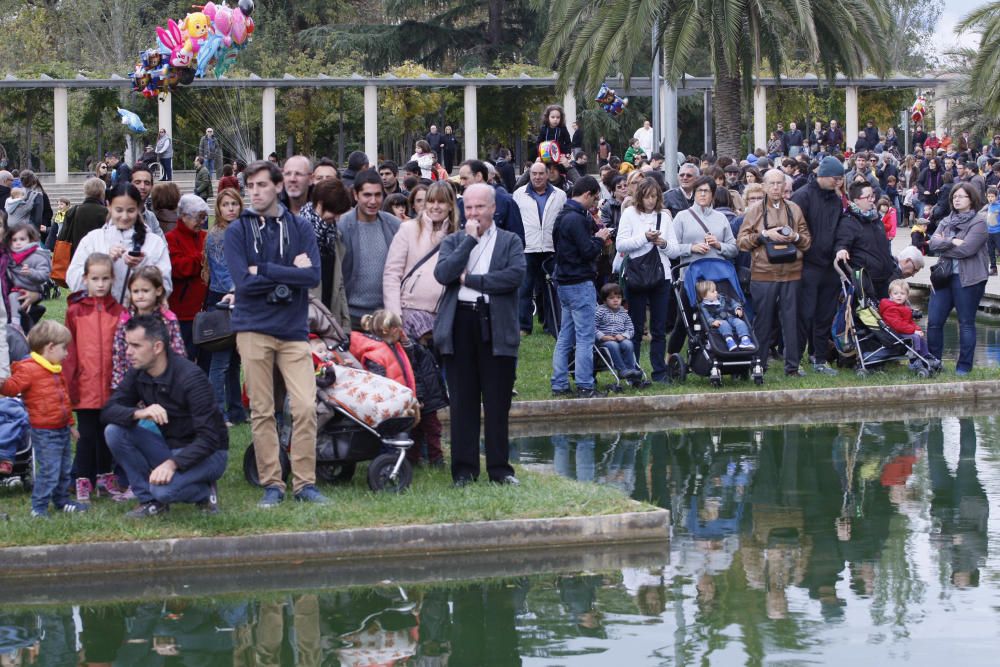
x=610, y=101
x=548, y=151
x=131, y=120
x=203, y=41
x=919, y=109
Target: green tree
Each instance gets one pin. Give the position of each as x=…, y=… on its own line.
x=738, y=39
x=984, y=75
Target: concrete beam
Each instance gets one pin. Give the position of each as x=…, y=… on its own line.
x=268, y=134
x=60, y=127
x=851, y=121
x=760, y=117
x=371, y=124
x=472, y=123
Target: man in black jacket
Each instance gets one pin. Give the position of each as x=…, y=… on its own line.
x=822, y=206
x=861, y=240
x=182, y=462
x=577, y=247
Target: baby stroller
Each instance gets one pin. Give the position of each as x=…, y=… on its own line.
x=14, y=430
x=357, y=420
x=860, y=332
x=602, y=358
x=707, y=354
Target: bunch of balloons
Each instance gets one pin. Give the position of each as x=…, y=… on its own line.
x=205, y=40
x=919, y=109
x=610, y=101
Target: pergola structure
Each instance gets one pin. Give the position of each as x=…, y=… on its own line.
x=667, y=122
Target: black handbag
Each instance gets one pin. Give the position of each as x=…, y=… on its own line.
x=941, y=273
x=779, y=252
x=645, y=272
x=213, y=330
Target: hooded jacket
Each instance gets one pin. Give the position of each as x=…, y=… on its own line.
x=576, y=247
x=821, y=210
x=865, y=240
x=43, y=387
x=92, y=321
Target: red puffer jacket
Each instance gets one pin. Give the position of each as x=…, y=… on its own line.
x=187, y=253
x=45, y=392
x=379, y=357
x=92, y=322
x=898, y=316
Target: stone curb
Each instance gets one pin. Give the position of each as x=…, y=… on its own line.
x=484, y=536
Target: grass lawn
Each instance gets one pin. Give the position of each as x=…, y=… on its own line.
x=534, y=368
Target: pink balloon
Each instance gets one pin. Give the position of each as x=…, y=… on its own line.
x=223, y=20
x=210, y=9
x=239, y=31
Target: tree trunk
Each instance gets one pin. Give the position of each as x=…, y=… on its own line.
x=495, y=25
x=727, y=101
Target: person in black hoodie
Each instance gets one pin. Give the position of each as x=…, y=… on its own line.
x=861, y=240
x=554, y=129
x=822, y=206
x=577, y=247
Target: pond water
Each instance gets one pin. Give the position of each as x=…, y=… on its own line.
x=871, y=543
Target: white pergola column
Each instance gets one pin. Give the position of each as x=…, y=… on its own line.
x=940, y=112
x=371, y=124
x=268, y=134
x=569, y=107
x=760, y=117
x=668, y=109
x=165, y=114
x=471, y=124
x=60, y=128
x=851, y=122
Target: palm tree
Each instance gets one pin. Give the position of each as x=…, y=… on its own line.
x=967, y=105
x=984, y=76
x=588, y=39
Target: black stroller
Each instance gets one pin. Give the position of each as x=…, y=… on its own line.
x=707, y=354
x=602, y=359
x=859, y=331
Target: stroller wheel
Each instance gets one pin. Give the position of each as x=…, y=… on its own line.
x=923, y=373
x=250, y=465
x=862, y=373
x=380, y=474
x=676, y=368
x=335, y=473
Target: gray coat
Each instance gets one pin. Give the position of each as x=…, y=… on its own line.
x=973, y=255
x=501, y=283
x=348, y=228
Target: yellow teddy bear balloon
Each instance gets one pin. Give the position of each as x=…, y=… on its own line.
x=196, y=26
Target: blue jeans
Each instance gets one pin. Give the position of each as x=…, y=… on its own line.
x=53, y=457
x=622, y=354
x=139, y=451
x=734, y=326
x=168, y=168
x=534, y=281
x=658, y=301
x=579, y=302
x=965, y=301
x=224, y=375
x=210, y=165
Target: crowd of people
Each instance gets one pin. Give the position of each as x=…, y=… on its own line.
x=419, y=263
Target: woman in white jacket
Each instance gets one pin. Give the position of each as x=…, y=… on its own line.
x=647, y=227
x=124, y=238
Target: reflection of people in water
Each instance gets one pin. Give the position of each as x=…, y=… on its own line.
x=578, y=595
x=959, y=507
x=305, y=625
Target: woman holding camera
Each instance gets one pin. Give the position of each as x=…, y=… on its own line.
x=123, y=238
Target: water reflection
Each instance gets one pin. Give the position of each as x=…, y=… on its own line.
x=862, y=542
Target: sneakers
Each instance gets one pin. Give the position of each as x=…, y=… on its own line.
x=210, y=505
x=310, y=494
x=823, y=369
x=6, y=467
x=730, y=343
x=590, y=393
x=993, y=270
x=562, y=393
x=798, y=372
x=72, y=507
x=746, y=343
x=124, y=496
x=147, y=510
x=83, y=489
x=507, y=480
x=272, y=498
x=109, y=484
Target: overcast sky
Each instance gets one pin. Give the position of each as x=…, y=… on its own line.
x=954, y=11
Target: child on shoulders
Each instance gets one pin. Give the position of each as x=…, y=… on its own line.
x=40, y=381
x=724, y=314
x=614, y=331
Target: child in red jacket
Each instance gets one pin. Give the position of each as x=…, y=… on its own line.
x=379, y=348
x=899, y=316
x=40, y=382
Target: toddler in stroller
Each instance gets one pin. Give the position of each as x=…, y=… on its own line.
x=725, y=315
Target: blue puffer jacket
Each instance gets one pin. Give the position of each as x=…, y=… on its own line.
x=13, y=426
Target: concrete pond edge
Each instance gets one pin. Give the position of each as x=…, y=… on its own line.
x=352, y=544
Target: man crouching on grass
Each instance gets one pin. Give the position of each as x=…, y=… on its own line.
x=182, y=462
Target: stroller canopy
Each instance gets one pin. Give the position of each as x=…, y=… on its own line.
x=718, y=271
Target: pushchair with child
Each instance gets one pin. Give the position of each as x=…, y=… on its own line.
x=14, y=428
x=707, y=353
x=360, y=416
x=860, y=333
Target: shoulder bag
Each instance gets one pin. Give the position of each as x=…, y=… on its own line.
x=212, y=330
x=645, y=272
x=779, y=252
x=62, y=253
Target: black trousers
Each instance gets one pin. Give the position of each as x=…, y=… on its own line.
x=818, y=294
x=774, y=304
x=475, y=376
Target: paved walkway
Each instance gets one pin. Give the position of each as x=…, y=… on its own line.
x=923, y=277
